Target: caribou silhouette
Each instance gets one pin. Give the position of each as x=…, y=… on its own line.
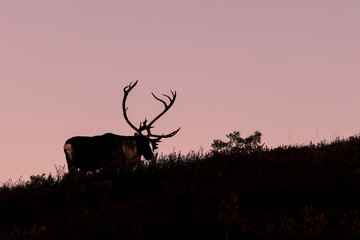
x=92, y=153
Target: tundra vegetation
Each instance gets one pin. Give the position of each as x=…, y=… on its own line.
x=240, y=189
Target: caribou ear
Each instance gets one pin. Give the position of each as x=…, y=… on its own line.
x=136, y=135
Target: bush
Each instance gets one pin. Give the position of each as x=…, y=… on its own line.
x=237, y=144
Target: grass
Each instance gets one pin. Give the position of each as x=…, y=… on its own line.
x=290, y=192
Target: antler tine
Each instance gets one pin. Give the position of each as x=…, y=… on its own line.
x=172, y=134
x=127, y=89
x=164, y=135
x=159, y=99
x=143, y=126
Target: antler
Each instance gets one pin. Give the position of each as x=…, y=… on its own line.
x=144, y=125
x=127, y=89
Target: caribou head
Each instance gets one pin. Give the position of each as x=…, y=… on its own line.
x=91, y=153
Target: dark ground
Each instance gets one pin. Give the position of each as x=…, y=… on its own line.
x=291, y=192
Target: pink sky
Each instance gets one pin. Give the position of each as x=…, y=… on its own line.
x=289, y=69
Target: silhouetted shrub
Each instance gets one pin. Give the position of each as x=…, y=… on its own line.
x=237, y=144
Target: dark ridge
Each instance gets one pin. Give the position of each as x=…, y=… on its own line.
x=290, y=192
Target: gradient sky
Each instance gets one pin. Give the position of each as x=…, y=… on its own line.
x=288, y=68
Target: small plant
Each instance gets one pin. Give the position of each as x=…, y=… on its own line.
x=237, y=144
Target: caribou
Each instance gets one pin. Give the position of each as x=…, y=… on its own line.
x=109, y=150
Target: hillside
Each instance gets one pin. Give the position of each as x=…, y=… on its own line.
x=297, y=192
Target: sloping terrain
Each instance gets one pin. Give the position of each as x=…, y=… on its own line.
x=297, y=192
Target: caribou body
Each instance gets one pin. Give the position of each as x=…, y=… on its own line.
x=91, y=153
